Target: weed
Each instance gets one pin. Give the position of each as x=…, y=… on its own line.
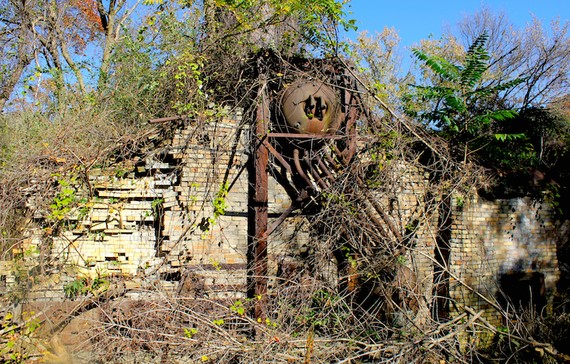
x=85, y=285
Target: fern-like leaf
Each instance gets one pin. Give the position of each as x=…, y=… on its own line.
x=496, y=115
x=438, y=65
x=475, y=62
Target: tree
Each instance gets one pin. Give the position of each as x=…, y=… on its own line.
x=462, y=106
x=46, y=44
x=377, y=60
x=16, y=38
x=508, y=118
x=540, y=56
x=112, y=17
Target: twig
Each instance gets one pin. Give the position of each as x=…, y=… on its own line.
x=391, y=112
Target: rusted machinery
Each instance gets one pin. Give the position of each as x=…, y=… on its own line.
x=316, y=134
x=314, y=119
x=310, y=107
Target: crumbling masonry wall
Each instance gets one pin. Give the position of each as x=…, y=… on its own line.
x=157, y=218
x=504, y=249
x=161, y=217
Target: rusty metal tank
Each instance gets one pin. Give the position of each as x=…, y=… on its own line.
x=310, y=107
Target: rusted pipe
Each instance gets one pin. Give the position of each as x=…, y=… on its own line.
x=352, y=115
x=299, y=168
x=324, y=168
x=314, y=172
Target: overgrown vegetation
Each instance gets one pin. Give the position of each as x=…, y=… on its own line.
x=474, y=123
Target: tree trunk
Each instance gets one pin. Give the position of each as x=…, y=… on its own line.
x=111, y=22
x=22, y=59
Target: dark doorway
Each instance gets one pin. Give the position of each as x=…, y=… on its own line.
x=522, y=291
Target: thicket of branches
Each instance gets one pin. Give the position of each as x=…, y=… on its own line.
x=477, y=119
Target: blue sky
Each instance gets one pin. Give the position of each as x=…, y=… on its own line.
x=417, y=19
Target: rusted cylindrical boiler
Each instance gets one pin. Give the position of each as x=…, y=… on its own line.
x=310, y=107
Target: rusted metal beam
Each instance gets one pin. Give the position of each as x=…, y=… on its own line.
x=280, y=219
x=352, y=115
x=278, y=156
x=304, y=136
x=258, y=264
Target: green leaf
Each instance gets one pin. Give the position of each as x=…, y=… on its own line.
x=455, y=103
x=506, y=137
x=475, y=62
x=438, y=65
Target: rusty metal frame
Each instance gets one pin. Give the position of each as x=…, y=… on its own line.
x=257, y=239
x=305, y=136
x=320, y=171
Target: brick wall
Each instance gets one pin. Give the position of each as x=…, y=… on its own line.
x=155, y=217
x=158, y=218
x=504, y=249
